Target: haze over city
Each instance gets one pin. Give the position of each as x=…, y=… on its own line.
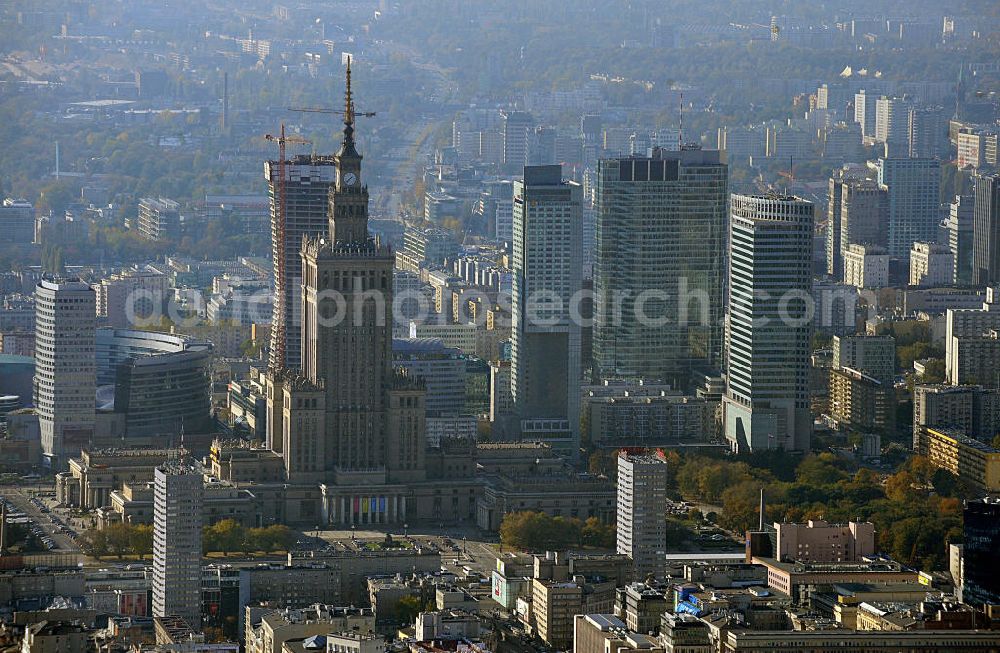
x=462, y=326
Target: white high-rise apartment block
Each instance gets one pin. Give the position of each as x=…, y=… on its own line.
x=961, y=232
x=547, y=271
x=931, y=265
x=177, y=516
x=159, y=219
x=866, y=266
x=642, y=512
x=65, y=366
x=976, y=148
x=864, y=113
x=892, y=124
x=962, y=324
x=769, y=324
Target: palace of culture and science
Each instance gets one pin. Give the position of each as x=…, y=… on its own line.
x=349, y=429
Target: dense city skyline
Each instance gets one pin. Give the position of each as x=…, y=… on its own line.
x=550, y=326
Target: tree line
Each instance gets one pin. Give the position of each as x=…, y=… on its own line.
x=916, y=511
x=227, y=536
x=537, y=531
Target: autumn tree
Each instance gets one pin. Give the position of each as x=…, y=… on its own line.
x=538, y=531
x=119, y=538
x=225, y=536
x=141, y=540
x=94, y=542
x=408, y=608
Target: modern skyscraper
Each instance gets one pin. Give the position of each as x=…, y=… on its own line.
x=769, y=325
x=986, y=230
x=892, y=124
x=541, y=150
x=65, y=368
x=913, y=187
x=961, y=234
x=864, y=112
x=307, y=187
x=661, y=224
x=442, y=369
x=17, y=222
x=516, y=127
x=980, y=582
x=856, y=215
x=545, y=342
x=642, y=512
x=177, y=517
x=928, y=132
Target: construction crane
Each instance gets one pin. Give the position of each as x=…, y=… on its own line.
x=336, y=112
x=278, y=336
x=348, y=111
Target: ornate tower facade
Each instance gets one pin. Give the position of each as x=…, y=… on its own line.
x=347, y=327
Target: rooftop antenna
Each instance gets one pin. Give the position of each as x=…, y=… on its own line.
x=760, y=526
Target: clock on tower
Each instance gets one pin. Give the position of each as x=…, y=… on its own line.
x=348, y=198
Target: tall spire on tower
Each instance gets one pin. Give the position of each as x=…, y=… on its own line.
x=348, y=148
x=349, y=100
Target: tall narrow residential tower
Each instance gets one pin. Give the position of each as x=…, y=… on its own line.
x=642, y=512
x=65, y=366
x=769, y=327
x=961, y=237
x=177, y=517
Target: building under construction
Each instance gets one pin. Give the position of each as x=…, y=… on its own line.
x=307, y=186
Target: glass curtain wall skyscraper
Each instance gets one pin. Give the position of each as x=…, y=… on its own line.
x=658, y=280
